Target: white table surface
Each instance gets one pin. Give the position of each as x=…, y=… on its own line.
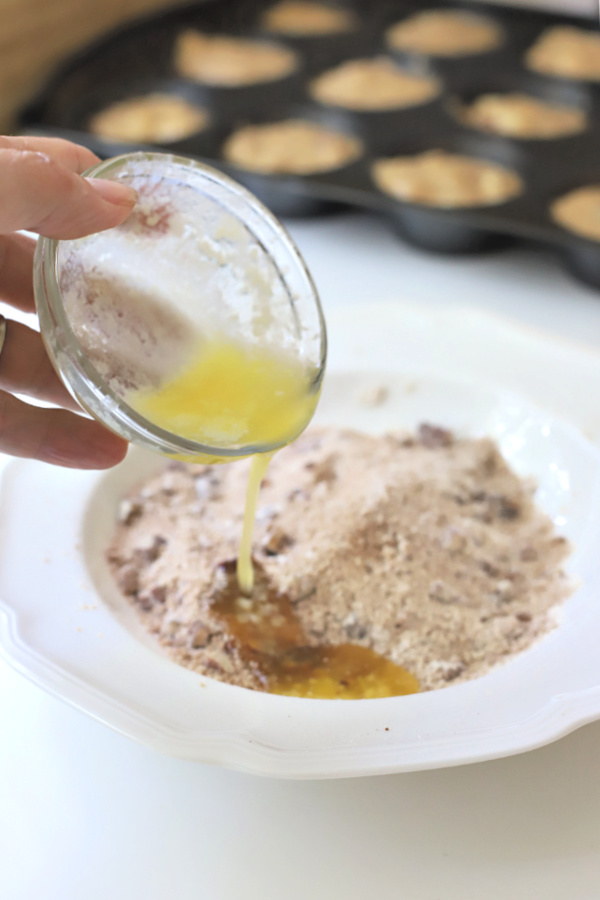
x=85, y=813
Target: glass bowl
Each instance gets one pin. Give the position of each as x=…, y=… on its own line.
x=199, y=256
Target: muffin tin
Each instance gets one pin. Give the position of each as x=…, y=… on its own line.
x=139, y=60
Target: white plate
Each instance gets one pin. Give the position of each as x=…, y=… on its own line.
x=63, y=625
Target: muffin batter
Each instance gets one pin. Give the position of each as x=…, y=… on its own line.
x=307, y=19
x=293, y=146
x=443, y=32
x=373, y=84
x=229, y=61
x=155, y=118
x=427, y=551
x=521, y=116
x=579, y=212
x=447, y=180
x=566, y=52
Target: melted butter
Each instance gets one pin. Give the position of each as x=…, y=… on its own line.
x=234, y=395
x=271, y=641
x=245, y=570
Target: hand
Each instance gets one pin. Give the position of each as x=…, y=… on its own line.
x=41, y=190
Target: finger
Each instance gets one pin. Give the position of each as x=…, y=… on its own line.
x=25, y=367
x=39, y=194
x=16, y=263
x=72, y=156
x=56, y=436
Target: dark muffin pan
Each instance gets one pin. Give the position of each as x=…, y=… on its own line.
x=139, y=60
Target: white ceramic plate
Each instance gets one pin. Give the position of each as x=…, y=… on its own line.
x=63, y=625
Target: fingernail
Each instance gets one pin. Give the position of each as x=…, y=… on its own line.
x=114, y=192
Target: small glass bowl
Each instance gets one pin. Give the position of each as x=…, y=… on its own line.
x=198, y=255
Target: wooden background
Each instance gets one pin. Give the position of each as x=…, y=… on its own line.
x=35, y=35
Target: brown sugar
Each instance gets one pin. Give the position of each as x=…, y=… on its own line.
x=427, y=552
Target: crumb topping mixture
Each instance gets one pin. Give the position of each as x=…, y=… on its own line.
x=427, y=551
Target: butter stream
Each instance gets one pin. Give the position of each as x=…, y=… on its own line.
x=245, y=569
x=234, y=396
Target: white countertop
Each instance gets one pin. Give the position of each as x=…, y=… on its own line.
x=85, y=813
